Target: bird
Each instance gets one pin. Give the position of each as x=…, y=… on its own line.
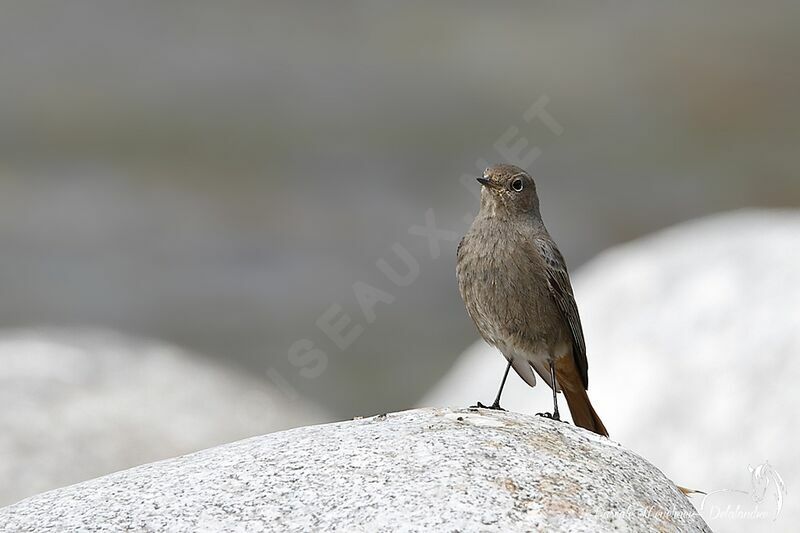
x=517, y=291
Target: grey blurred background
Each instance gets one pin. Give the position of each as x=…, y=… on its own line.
x=218, y=175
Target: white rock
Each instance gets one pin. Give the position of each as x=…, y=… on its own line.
x=423, y=470
x=76, y=405
x=693, y=339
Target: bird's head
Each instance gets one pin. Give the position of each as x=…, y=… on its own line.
x=508, y=190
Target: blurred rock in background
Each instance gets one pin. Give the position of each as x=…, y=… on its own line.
x=80, y=404
x=693, y=336
x=218, y=176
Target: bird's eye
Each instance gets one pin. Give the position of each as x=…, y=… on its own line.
x=517, y=185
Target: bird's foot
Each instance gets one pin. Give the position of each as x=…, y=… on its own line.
x=494, y=407
x=552, y=416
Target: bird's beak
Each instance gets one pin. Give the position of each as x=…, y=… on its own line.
x=487, y=182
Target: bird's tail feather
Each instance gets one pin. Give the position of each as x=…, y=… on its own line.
x=687, y=492
x=583, y=414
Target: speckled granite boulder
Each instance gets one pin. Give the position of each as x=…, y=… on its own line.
x=422, y=470
x=75, y=405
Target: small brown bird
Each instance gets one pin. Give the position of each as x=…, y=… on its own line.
x=517, y=291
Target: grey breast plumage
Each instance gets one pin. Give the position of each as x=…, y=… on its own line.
x=517, y=291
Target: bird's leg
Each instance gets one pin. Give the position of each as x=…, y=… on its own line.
x=496, y=404
x=555, y=415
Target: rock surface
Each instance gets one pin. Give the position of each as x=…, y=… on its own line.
x=422, y=470
x=76, y=405
x=693, y=337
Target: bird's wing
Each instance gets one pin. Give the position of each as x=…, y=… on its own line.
x=561, y=290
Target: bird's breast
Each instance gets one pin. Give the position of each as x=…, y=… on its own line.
x=505, y=289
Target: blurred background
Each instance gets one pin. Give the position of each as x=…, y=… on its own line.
x=217, y=177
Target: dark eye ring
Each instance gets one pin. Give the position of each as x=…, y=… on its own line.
x=517, y=185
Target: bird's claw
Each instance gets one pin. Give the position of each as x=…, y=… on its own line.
x=493, y=407
x=551, y=416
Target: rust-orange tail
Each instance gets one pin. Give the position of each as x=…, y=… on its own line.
x=583, y=414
